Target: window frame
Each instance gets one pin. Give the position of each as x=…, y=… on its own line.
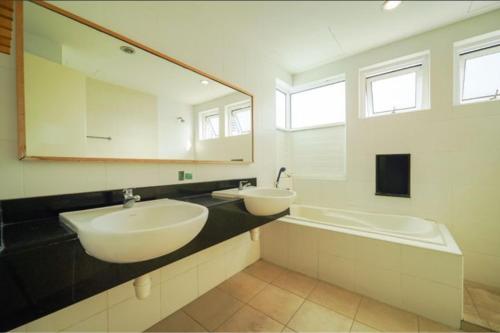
x=419, y=63
x=472, y=48
x=229, y=109
x=287, y=108
x=203, y=115
x=310, y=86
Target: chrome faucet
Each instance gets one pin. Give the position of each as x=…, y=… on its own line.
x=129, y=199
x=243, y=184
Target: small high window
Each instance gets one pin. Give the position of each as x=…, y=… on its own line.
x=318, y=106
x=397, y=86
x=209, y=124
x=239, y=119
x=477, y=69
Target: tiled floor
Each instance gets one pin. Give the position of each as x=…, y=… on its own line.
x=265, y=297
x=482, y=307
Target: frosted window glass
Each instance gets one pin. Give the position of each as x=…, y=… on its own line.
x=280, y=109
x=318, y=106
x=211, y=127
x=481, y=77
x=394, y=93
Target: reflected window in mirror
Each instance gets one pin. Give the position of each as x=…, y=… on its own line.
x=209, y=124
x=239, y=119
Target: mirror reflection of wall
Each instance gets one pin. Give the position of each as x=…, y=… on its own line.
x=88, y=94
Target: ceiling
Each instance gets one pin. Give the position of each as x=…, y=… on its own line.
x=297, y=35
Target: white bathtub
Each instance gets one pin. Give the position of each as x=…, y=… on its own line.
x=398, y=228
x=408, y=262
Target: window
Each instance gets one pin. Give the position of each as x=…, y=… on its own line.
x=478, y=66
x=318, y=106
x=281, y=98
x=209, y=124
x=397, y=86
x=239, y=118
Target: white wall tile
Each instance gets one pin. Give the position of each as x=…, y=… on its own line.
x=385, y=255
x=337, y=270
x=338, y=244
x=274, y=243
x=178, y=291
x=96, y=323
x=134, y=315
x=211, y=273
x=432, y=265
x=11, y=176
x=178, y=267
x=303, y=250
x=378, y=283
x=48, y=178
x=433, y=300
x=126, y=290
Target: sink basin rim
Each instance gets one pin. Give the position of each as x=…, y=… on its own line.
x=253, y=192
x=92, y=226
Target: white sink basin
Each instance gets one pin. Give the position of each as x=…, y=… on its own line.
x=148, y=230
x=261, y=201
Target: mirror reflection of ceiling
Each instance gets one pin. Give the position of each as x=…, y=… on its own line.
x=99, y=56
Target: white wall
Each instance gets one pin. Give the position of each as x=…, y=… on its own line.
x=455, y=151
x=315, y=153
x=198, y=45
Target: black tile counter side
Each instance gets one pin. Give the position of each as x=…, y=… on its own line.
x=43, y=267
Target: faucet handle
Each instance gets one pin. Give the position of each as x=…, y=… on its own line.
x=128, y=192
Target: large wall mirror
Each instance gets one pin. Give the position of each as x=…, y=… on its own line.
x=87, y=93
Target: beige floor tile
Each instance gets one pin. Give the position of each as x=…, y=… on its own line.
x=427, y=325
x=287, y=330
x=335, y=298
x=472, y=316
x=297, y=283
x=264, y=270
x=360, y=327
x=385, y=317
x=487, y=305
x=243, y=286
x=213, y=308
x=277, y=303
x=248, y=319
x=312, y=317
x=485, y=298
x=177, y=322
x=491, y=316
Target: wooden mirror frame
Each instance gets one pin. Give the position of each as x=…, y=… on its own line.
x=21, y=125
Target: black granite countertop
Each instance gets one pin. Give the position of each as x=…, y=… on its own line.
x=34, y=233
x=44, y=268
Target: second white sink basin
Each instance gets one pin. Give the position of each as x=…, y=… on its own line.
x=261, y=201
x=148, y=230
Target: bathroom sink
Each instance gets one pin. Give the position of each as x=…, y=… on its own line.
x=148, y=230
x=261, y=201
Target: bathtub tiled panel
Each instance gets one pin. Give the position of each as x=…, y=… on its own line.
x=404, y=276
x=173, y=286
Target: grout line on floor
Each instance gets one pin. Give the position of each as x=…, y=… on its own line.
x=187, y=314
x=356, y=313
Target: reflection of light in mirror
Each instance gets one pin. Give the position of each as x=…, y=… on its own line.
x=189, y=145
x=204, y=82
